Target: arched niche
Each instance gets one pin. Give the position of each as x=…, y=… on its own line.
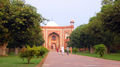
x=53, y=41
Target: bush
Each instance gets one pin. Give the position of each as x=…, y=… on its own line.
x=75, y=50
x=41, y=51
x=29, y=52
x=100, y=49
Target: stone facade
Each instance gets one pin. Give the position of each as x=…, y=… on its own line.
x=56, y=36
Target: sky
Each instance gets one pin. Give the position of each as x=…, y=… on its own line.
x=62, y=11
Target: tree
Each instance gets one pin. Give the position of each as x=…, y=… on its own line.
x=111, y=22
x=19, y=24
x=75, y=37
x=4, y=33
x=103, y=28
x=110, y=17
x=24, y=21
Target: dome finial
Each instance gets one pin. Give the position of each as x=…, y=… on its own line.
x=72, y=22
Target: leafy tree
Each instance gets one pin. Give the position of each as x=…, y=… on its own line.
x=86, y=36
x=75, y=37
x=26, y=24
x=110, y=17
x=19, y=24
x=102, y=28
x=4, y=32
x=111, y=22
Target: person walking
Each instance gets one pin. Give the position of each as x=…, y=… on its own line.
x=67, y=49
x=62, y=49
x=57, y=49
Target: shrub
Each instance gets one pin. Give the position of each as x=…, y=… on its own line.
x=29, y=52
x=75, y=50
x=100, y=49
x=41, y=51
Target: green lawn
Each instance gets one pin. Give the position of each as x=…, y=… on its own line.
x=113, y=56
x=15, y=61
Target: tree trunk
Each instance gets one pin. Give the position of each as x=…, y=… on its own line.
x=108, y=49
x=3, y=49
x=91, y=49
x=16, y=51
x=29, y=58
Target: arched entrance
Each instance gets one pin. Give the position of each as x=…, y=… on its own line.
x=53, y=41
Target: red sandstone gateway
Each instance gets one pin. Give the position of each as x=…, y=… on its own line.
x=56, y=36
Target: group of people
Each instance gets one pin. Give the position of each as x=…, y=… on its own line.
x=61, y=50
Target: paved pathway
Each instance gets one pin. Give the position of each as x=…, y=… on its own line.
x=56, y=60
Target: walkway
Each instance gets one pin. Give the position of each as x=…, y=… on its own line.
x=56, y=60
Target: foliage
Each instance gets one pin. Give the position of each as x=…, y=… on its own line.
x=20, y=24
x=29, y=52
x=110, y=17
x=77, y=37
x=40, y=51
x=104, y=2
x=75, y=50
x=3, y=30
x=100, y=49
x=103, y=28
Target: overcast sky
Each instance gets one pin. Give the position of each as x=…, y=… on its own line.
x=62, y=11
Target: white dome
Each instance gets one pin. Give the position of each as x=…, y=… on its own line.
x=51, y=23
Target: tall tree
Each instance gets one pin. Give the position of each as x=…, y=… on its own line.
x=110, y=17
x=25, y=26
x=20, y=24
x=104, y=28
x=4, y=33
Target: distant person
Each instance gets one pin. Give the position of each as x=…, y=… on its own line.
x=57, y=49
x=67, y=49
x=62, y=50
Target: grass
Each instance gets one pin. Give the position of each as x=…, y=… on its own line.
x=112, y=56
x=15, y=61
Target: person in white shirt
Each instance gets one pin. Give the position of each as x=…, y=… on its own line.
x=62, y=50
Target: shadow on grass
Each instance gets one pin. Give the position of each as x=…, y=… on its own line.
x=23, y=63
